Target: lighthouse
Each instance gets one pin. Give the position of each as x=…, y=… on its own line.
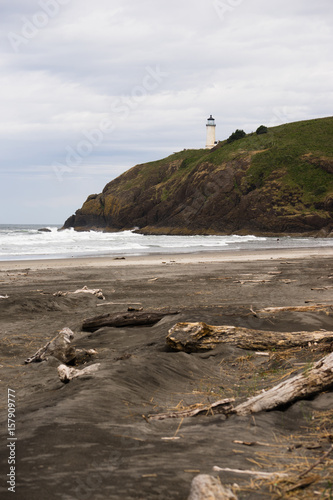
x=210, y=128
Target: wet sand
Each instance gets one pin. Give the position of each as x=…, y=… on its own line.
x=89, y=439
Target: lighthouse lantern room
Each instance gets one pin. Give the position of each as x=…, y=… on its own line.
x=210, y=128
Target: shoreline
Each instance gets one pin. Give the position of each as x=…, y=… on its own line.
x=104, y=416
x=167, y=258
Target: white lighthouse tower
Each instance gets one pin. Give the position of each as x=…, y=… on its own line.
x=210, y=127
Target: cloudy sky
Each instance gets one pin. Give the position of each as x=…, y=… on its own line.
x=91, y=88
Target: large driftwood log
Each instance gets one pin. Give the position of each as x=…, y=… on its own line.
x=66, y=373
x=61, y=348
x=136, y=318
x=191, y=337
x=310, y=382
x=205, y=487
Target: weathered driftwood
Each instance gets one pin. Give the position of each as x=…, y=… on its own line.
x=96, y=291
x=66, y=373
x=311, y=308
x=191, y=337
x=204, y=487
x=222, y=406
x=255, y=473
x=61, y=348
x=129, y=318
x=310, y=382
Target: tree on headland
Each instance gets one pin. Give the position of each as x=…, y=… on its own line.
x=261, y=130
x=235, y=136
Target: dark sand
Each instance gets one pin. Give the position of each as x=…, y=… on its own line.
x=88, y=439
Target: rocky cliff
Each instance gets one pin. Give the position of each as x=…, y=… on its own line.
x=273, y=183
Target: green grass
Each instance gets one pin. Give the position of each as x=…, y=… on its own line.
x=278, y=155
x=290, y=143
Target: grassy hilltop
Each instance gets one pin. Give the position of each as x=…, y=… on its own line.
x=273, y=183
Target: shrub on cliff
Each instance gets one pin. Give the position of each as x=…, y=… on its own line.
x=261, y=130
x=235, y=136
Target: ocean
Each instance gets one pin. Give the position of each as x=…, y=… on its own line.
x=23, y=242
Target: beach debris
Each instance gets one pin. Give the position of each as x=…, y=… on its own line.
x=205, y=487
x=129, y=318
x=193, y=337
x=328, y=287
x=97, y=291
x=67, y=373
x=221, y=406
x=251, y=443
x=4, y=296
x=119, y=303
x=311, y=381
x=60, y=347
x=320, y=461
x=314, y=380
x=303, y=483
x=311, y=308
x=256, y=473
x=245, y=282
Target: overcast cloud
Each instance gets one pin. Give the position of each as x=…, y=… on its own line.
x=91, y=88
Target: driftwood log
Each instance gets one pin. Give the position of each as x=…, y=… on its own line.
x=205, y=487
x=255, y=473
x=310, y=308
x=221, y=406
x=310, y=382
x=191, y=337
x=96, y=291
x=66, y=373
x=118, y=320
x=61, y=348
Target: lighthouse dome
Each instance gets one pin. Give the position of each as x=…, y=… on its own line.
x=211, y=121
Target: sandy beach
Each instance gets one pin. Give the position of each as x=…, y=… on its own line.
x=91, y=438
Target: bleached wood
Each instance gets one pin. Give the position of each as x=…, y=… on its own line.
x=311, y=308
x=93, y=291
x=312, y=381
x=256, y=473
x=205, y=487
x=67, y=373
x=61, y=348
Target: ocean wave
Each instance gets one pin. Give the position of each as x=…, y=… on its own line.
x=24, y=242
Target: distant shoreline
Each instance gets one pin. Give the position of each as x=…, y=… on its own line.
x=170, y=258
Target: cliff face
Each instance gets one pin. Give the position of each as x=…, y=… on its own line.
x=275, y=183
